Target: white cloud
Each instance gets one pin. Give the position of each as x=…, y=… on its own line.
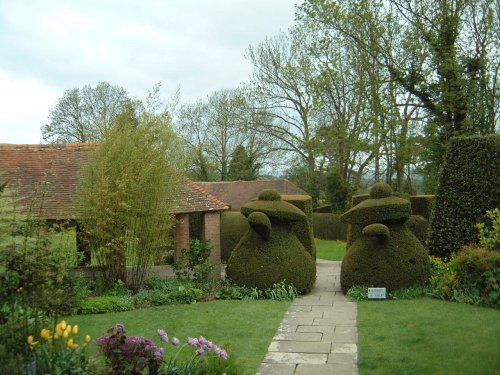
x=25, y=106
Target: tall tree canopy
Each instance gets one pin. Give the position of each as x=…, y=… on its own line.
x=85, y=115
x=443, y=53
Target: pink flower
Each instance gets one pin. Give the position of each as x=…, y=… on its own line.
x=192, y=341
x=163, y=335
x=200, y=352
x=175, y=341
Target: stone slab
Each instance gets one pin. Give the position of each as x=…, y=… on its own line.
x=300, y=347
x=298, y=336
x=290, y=358
x=316, y=328
x=342, y=348
x=348, y=358
x=276, y=369
x=327, y=369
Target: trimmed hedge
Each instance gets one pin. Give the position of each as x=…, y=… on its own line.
x=386, y=254
x=261, y=261
x=421, y=206
x=469, y=185
x=233, y=226
x=303, y=230
x=329, y=227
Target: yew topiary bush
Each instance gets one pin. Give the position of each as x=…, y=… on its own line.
x=468, y=187
x=233, y=226
x=270, y=252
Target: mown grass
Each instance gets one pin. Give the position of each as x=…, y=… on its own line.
x=244, y=328
x=330, y=250
x=426, y=336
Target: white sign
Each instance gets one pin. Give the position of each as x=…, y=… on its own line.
x=377, y=293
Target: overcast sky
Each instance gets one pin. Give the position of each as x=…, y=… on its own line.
x=49, y=46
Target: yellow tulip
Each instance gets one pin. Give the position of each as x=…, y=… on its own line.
x=31, y=341
x=75, y=329
x=65, y=334
x=70, y=343
x=63, y=324
x=59, y=331
x=45, y=334
x=87, y=339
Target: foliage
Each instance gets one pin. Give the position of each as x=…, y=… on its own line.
x=419, y=336
x=126, y=212
x=468, y=277
x=468, y=187
x=261, y=261
x=133, y=354
x=233, y=225
x=419, y=226
x=329, y=227
x=58, y=352
x=360, y=293
x=338, y=191
x=129, y=354
x=36, y=258
x=281, y=292
x=242, y=166
x=195, y=264
x=105, y=304
x=17, y=322
x=490, y=238
x=156, y=297
x=386, y=254
x=85, y=115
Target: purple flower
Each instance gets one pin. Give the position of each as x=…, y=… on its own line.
x=163, y=335
x=223, y=354
x=209, y=344
x=200, y=352
x=120, y=327
x=202, y=340
x=159, y=352
x=175, y=341
x=192, y=341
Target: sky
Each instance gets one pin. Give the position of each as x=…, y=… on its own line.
x=50, y=46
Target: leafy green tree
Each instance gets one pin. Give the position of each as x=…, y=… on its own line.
x=443, y=53
x=338, y=191
x=242, y=166
x=128, y=194
x=85, y=115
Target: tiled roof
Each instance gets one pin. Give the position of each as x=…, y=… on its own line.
x=55, y=170
x=194, y=198
x=238, y=193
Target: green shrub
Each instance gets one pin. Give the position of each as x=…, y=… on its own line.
x=489, y=235
x=259, y=262
x=468, y=187
x=329, y=227
x=354, y=230
x=195, y=264
x=105, y=304
x=472, y=261
x=233, y=226
x=303, y=229
x=386, y=254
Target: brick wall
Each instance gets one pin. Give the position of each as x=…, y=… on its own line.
x=181, y=234
x=211, y=231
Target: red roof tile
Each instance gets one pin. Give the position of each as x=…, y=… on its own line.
x=238, y=193
x=55, y=170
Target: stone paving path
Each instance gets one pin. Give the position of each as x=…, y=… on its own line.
x=318, y=334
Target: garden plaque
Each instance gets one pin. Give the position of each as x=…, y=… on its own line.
x=377, y=293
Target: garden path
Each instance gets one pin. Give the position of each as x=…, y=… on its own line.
x=318, y=334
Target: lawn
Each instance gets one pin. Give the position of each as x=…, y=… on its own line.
x=330, y=250
x=244, y=328
x=426, y=336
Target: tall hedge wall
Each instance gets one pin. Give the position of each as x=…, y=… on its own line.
x=329, y=226
x=469, y=184
x=304, y=233
x=233, y=225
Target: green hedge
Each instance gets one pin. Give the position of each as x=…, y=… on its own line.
x=233, y=226
x=422, y=205
x=303, y=230
x=329, y=227
x=469, y=185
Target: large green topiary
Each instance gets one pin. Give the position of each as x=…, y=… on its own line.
x=303, y=229
x=264, y=258
x=233, y=226
x=469, y=185
x=386, y=253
